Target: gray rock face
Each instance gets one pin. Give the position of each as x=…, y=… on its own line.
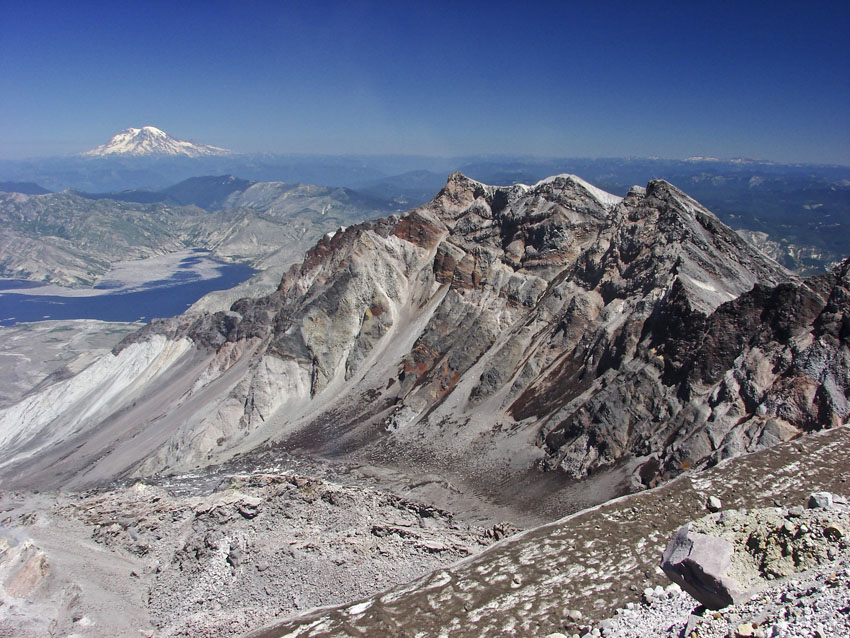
x=698, y=563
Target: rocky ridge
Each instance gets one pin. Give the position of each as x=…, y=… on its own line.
x=511, y=329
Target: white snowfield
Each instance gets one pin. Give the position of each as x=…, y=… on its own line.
x=608, y=200
x=149, y=140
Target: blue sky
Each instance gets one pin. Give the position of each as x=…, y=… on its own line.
x=673, y=79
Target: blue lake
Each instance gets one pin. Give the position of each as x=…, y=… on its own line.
x=161, y=298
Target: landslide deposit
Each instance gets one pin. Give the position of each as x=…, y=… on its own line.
x=35, y=355
x=210, y=555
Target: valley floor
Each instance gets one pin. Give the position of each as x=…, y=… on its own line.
x=32, y=354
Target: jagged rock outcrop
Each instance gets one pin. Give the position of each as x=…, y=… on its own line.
x=499, y=329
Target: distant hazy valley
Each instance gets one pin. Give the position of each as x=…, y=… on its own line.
x=72, y=238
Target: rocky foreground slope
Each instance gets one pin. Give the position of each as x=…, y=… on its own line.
x=210, y=555
x=220, y=553
x=571, y=575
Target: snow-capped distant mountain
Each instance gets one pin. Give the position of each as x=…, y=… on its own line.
x=149, y=140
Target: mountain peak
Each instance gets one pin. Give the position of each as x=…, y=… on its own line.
x=604, y=198
x=577, y=187
x=152, y=130
x=151, y=141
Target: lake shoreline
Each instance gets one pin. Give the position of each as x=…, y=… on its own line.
x=132, y=291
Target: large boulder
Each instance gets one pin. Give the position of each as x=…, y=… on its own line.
x=698, y=564
x=725, y=558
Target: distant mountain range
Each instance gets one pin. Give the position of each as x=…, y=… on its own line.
x=208, y=192
x=71, y=238
x=27, y=188
x=151, y=141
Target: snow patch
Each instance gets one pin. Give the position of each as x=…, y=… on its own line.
x=606, y=199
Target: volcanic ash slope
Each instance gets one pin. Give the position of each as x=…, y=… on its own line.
x=488, y=335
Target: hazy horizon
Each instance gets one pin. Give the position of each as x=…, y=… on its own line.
x=530, y=157
x=438, y=80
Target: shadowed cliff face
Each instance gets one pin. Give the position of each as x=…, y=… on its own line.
x=501, y=330
x=757, y=370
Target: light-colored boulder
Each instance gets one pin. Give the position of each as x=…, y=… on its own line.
x=820, y=500
x=698, y=563
x=714, y=504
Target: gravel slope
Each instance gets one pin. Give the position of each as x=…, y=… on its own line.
x=815, y=601
x=593, y=562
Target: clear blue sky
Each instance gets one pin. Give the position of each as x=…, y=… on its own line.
x=754, y=79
